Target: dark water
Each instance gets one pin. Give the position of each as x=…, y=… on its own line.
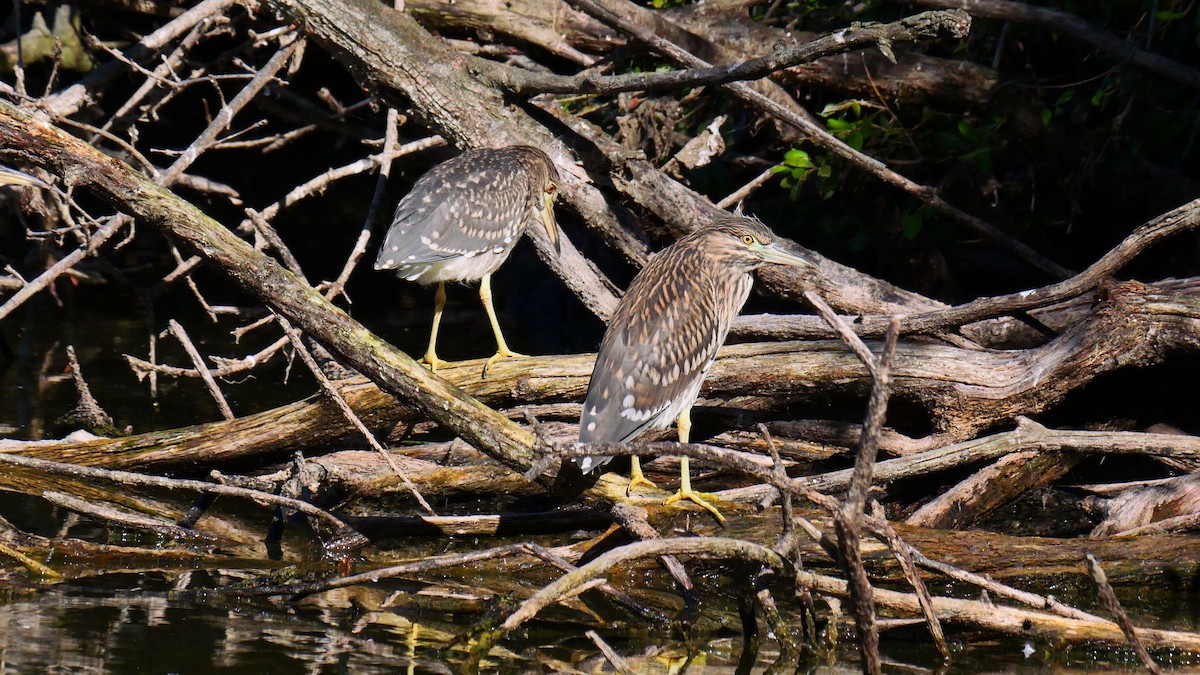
x=162, y=622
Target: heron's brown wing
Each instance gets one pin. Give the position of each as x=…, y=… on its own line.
x=459, y=208
x=660, y=343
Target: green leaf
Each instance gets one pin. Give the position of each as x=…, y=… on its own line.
x=1168, y=15
x=825, y=171
x=855, y=139
x=1064, y=98
x=797, y=158
x=1097, y=98
x=1046, y=115
x=835, y=125
x=967, y=131
x=912, y=225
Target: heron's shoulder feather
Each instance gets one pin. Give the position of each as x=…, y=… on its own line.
x=458, y=208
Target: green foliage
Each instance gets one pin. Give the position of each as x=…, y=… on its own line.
x=799, y=166
x=861, y=125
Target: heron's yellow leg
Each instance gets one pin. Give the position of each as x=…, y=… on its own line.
x=502, y=350
x=439, y=302
x=636, y=477
x=685, y=475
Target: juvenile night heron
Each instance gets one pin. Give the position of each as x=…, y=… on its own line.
x=463, y=218
x=665, y=334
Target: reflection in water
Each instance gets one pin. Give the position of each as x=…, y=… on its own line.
x=160, y=631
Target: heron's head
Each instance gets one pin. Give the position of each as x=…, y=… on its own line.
x=543, y=188
x=746, y=244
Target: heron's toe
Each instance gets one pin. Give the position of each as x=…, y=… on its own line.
x=433, y=362
x=695, y=497
x=501, y=354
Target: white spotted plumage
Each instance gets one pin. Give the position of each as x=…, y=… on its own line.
x=462, y=219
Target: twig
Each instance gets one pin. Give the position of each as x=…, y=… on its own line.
x=123, y=519
x=850, y=516
x=786, y=544
x=903, y=554
x=614, y=659
x=745, y=191
x=843, y=330
x=130, y=478
x=301, y=590
x=1176, y=221
x=177, y=331
x=618, y=596
x=1109, y=598
x=221, y=122
x=633, y=519
x=33, y=565
x=65, y=263
x=70, y=100
x=1070, y=24
x=332, y=393
x=926, y=25
x=707, y=548
x=141, y=367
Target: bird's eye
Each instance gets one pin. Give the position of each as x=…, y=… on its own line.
x=551, y=188
x=748, y=240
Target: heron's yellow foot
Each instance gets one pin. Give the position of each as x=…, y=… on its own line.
x=636, y=477
x=688, y=494
x=430, y=359
x=502, y=354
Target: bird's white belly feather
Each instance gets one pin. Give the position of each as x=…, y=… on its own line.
x=459, y=268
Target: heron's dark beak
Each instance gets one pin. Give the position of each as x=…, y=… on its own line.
x=547, y=213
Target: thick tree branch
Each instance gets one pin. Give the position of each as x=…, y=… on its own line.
x=923, y=26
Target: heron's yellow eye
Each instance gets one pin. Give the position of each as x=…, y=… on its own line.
x=551, y=188
x=748, y=240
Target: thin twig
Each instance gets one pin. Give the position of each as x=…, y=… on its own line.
x=614, y=659
x=331, y=391
x=64, y=264
x=181, y=335
x=223, y=118
x=1109, y=598
x=130, y=478
x=849, y=518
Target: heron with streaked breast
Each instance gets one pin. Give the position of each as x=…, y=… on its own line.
x=665, y=334
x=462, y=219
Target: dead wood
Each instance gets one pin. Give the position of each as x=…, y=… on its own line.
x=1109, y=598
x=125, y=520
x=43, y=145
x=1132, y=507
x=992, y=487
x=1029, y=436
x=1068, y=24
x=962, y=390
x=729, y=36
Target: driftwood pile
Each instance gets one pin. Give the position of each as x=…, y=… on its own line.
x=974, y=374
